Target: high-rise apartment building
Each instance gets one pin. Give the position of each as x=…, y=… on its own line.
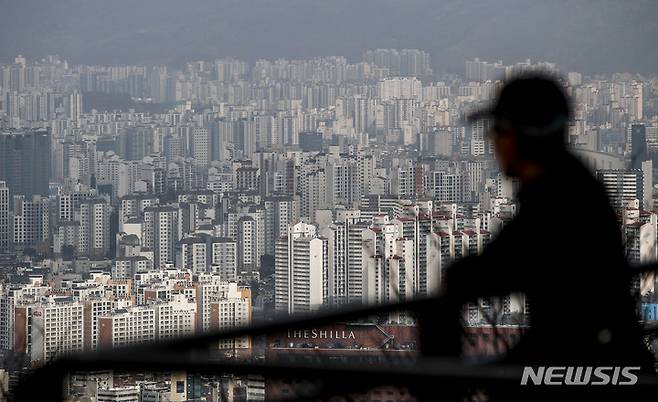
x=246, y=224
x=400, y=88
x=201, y=151
x=232, y=309
x=136, y=143
x=94, y=235
x=388, y=263
x=127, y=267
x=161, y=232
x=69, y=200
x=204, y=253
x=73, y=106
x=93, y=309
x=133, y=206
x=478, y=70
x=300, y=270
x=12, y=296
x=209, y=288
x=405, y=62
x=5, y=224
x=427, y=256
x=622, y=185
x=129, y=326
x=639, y=152
x=345, y=257
x=280, y=211
x=175, y=318
x=31, y=224
x=25, y=161
x=45, y=331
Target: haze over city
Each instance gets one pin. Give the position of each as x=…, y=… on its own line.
x=585, y=35
x=174, y=170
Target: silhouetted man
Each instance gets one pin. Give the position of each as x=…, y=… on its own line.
x=563, y=249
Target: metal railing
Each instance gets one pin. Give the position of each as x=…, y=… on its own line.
x=438, y=366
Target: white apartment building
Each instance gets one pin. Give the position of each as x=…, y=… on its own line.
x=94, y=233
x=400, y=88
x=4, y=216
x=49, y=330
x=12, y=296
x=129, y=326
x=204, y=253
x=175, y=318
x=161, y=232
x=94, y=308
x=208, y=289
x=300, y=270
x=232, y=309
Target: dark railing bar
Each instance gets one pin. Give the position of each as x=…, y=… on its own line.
x=283, y=323
x=187, y=353
x=453, y=373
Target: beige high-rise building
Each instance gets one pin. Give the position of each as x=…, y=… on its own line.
x=232, y=309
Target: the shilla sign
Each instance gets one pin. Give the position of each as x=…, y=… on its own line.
x=570, y=375
x=320, y=334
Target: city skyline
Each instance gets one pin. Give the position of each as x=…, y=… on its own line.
x=141, y=203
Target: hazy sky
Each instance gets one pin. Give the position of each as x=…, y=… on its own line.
x=588, y=35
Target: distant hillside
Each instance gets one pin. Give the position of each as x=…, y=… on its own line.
x=589, y=35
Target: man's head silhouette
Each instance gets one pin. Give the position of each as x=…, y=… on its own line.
x=530, y=125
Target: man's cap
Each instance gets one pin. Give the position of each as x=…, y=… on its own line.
x=535, y=104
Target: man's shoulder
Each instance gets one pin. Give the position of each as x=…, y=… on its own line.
x=574, y=175
x=567, y=188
